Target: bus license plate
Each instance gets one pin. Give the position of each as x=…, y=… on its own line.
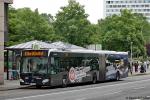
x=32, y=83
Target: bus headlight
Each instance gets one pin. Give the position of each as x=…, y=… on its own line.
x=45, y=81
x=21, y=80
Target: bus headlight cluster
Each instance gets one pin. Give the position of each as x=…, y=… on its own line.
x=21, y=80
x=45, y=81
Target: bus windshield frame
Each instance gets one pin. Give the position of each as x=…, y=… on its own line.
x=34, y=65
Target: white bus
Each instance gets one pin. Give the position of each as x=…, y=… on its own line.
x=63, y=67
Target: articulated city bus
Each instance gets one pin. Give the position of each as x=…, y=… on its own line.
x=63, y=67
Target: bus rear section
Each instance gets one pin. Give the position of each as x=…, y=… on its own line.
x=116, y=66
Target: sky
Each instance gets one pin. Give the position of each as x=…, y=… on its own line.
x=92, y=7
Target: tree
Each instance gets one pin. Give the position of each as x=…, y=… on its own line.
x=48, y=17
x=26, y=25
x=72, y=24
x=94, y=34
x=118, y=31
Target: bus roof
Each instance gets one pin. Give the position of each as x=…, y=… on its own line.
x=89, y=51
x=84, y=51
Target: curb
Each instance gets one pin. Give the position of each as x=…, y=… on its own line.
x=7, y=89
x=138, y=74
x=12, y=88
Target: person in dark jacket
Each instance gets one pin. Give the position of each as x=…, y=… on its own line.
x=129, y=68
x=136, y=66
x=142, y=69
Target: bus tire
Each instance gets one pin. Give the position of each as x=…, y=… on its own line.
x=94, y=79
x=64, y=83
x=38, y=86
x=117, y=76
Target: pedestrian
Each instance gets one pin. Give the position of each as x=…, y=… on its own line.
x=136, y=66
x=148, y=64
x=14, y=73
x=145, y=66
x=129, y=68
x=142, y=70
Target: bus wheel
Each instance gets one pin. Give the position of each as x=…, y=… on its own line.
x=64, y=83
x=117, y=76
x=38, y=86
x=94, y=79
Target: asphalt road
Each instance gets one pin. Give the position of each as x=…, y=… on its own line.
x=131, y=88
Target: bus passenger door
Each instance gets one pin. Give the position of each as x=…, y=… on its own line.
x=102, y=69
x=56, y=76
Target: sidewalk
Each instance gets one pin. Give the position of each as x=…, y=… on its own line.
x=138, y=73
x=10, y=85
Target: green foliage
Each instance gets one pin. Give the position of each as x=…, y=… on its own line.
x=118, y=31
x=49, y=18
x=94, y=34
x=26, y=25
x=72, y=24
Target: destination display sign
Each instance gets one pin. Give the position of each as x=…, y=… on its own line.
x=35, y=53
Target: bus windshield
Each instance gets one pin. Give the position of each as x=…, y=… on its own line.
x=34, y=65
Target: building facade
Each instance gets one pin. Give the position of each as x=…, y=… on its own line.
x=136, y=6
x=3, y=32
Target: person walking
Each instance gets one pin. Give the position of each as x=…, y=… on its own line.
x=129, y=68
x=148, y=64
x=136, y=66
x=145, y=66
x=14, y=73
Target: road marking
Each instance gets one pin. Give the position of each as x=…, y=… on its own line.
x=141, y=81
x=148, y=96
x=112, y=93
x=81, y=99
x=139, y=88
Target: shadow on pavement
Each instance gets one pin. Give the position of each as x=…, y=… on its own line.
x=68, y=86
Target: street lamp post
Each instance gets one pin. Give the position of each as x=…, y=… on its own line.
x=131, y=54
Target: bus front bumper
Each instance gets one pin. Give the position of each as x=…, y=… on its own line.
x=41, y=82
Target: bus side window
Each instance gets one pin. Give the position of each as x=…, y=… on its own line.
x=52, y=69
x=94, y=64
x=107, y=64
